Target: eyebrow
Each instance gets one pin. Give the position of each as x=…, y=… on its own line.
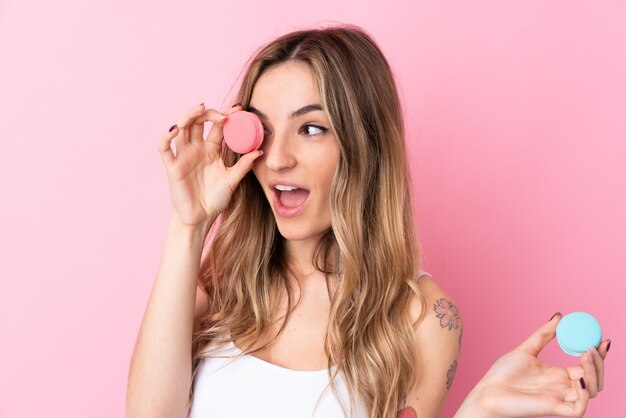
x=299, y=112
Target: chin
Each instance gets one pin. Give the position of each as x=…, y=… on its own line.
x=293, y=232
x=296, y=231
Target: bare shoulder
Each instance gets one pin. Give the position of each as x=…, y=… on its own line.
x=436, y=346
x=441, y=310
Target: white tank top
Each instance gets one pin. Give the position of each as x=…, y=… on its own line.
x=252, y=387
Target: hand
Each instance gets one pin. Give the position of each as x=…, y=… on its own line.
x=200, y=184
x=520, y=385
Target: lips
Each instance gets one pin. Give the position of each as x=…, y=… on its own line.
x=288, y=204
x=293, y=198
x=293, y=207
x=284, y=182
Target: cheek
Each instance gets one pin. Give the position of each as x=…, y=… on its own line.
x=325, y=188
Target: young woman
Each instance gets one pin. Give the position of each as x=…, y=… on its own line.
x=312, y=302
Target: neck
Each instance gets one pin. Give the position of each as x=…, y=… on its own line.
x=299, y=256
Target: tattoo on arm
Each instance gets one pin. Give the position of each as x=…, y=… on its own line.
x=407, y=412
x=451, y=373
x=447, y=313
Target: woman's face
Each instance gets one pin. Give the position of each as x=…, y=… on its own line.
x=299, y=149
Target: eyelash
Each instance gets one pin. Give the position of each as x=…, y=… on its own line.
x=322, y=129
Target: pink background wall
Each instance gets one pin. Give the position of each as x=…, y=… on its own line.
x=516, y=121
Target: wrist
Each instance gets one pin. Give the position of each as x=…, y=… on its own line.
x=473, y=405
x=176, y=222
x=193, y=235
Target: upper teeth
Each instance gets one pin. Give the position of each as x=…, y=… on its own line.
x=284, y=188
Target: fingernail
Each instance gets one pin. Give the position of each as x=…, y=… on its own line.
x=261, y=151
x=608, y=346
x=555, y=314
x=172, y=128
x=221, y=116
x=201, y=104
x=237, y=104
x=582, y=383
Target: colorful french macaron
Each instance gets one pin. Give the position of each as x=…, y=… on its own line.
x=243, y=131
x=577, y=332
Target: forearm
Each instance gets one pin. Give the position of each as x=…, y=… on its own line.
x=160, y=371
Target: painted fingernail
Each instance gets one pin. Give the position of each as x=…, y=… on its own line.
x=582, y=383
x=608, y=346
x=555, y=314
x=237, y=104
x=172, y=128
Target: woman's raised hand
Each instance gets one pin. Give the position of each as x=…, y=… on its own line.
x=520, y=385
x=200, y=184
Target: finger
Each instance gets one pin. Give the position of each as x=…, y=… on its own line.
x=216, y=133
x=580, y=406
x=183, y=124
x=237, y=172
x=570, y=395
x=196, y=128
x=576, y=408
x=164, y=147
x=540, y=338
x=604, y=348
x=598, y=363
x=575, y=372
x=591, y=378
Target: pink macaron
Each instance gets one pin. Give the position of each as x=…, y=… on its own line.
x=243, y=131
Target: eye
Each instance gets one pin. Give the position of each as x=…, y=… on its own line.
x=306, y=127
x=321, y=129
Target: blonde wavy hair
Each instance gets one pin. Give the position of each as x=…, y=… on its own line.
x=372, y=236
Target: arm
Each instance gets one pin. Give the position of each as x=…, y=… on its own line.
x=518, y=385
x=436, y=350
x=160, y=372
x=201, y=186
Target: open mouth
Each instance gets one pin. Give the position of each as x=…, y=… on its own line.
x=292, y=198
x=290, y=203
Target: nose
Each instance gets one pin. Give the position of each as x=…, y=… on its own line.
x=279, y=153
